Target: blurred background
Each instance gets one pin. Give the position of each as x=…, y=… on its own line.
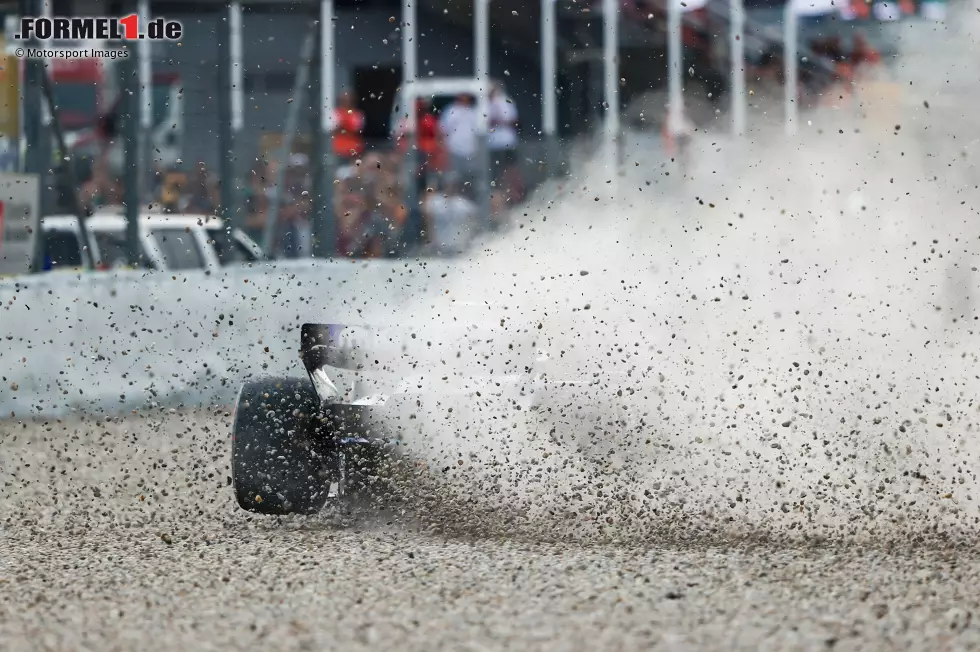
x=259, y=172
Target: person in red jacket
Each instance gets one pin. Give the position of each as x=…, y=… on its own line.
x=348, y=138
x=862, y=53
x=431, y=141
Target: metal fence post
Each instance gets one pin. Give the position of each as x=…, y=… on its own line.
x=738, y=66
x=610, y=42
x=407, y=103
x=484, y=178
x=269, y=242
x=49, y=200
x=675, y=61
x=549, y=81
x=322, y=95
x=38, y=155
x=790, y=66
x=144, y=101
x=131, y=141
x=229, y=114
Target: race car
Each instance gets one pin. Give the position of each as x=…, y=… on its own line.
x=297, y=442
x=293, y=437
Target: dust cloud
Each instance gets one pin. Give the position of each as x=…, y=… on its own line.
x=782, y=343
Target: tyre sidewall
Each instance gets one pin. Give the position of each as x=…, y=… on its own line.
x=278, y=462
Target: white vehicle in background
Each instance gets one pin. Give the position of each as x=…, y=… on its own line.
x=65, y=249
x=167, y=242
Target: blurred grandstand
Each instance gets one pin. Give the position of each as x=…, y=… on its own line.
x=840, y=44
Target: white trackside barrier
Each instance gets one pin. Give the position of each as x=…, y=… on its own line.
x=107, y=342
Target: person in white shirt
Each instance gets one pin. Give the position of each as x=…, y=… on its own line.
x=503, y=131
x=460, y=126
x=678, y=134
x=450, y=219
x=503, y=120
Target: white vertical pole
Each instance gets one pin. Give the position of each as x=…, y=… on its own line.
x=410, y=70
x=46, y=117
x=675, y=88
x=549, y=81
x=145, y=76
x=481, y=20
x=610, y=43
x=481, y=15
x=324, y=220
x=738, y=66
x=15, y=141
x=790, y=65
x=410, y=73
x=549, y=68
x=328, y=81
x=237, y=73
x=144, y=138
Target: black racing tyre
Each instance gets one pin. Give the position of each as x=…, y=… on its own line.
x=280, y=462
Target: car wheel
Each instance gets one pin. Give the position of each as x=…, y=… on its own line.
x=280, y=459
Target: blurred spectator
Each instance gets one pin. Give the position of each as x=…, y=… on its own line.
x=362, y=174
x=677, y=134
x=503, y=132
x=862, y=53
x=450, y=218
x=114, y=193
x=359, y=232
x=383, y=213
x=372, y=217
x=348, y=139
x=507, y=193
x=173, y=197
x=256, y=205
x=460, y=125
x=390, y=210
x=294, y=230
x=200, y=193
x=93, y=193
x=498, y=208
x=512, y=186
x=372, y=168
x=270, y=189
x=767, y=75
x=430, y=143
